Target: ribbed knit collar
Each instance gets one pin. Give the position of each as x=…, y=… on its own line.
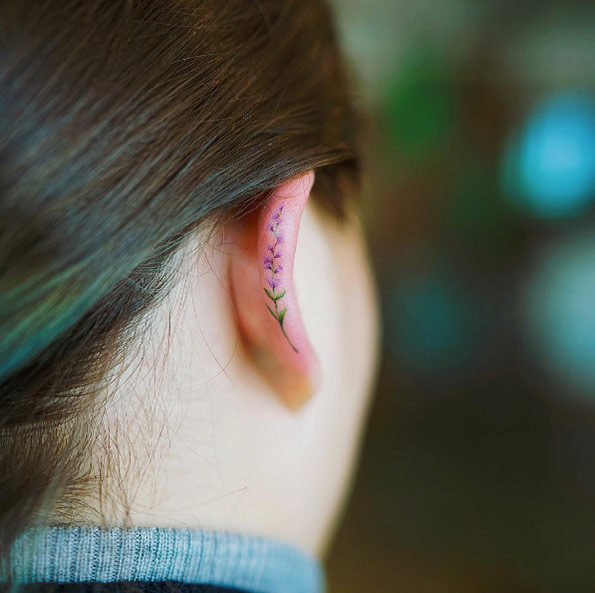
x=83, y=554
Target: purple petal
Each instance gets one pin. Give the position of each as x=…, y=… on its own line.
x=273, y=283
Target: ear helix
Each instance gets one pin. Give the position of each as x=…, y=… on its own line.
x=273, y=259
x=266, y=303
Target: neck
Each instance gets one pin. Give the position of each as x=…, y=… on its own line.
x=191, y=436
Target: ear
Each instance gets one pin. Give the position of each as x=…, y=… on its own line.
x=263, y=295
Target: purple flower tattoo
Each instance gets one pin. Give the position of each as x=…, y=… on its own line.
x=272, y=265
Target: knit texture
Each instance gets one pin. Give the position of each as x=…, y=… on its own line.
x=84, y=554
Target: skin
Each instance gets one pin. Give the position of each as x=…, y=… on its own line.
x=262, y=254
x=199, y=437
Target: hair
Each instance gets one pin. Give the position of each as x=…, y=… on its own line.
x=125, y=126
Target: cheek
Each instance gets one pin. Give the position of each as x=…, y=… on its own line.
x=359, y=317
x=337, y=296
x=362, y=315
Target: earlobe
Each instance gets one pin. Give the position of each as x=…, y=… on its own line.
x=261, y=284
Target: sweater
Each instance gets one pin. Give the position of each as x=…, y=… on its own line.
x=158, y=560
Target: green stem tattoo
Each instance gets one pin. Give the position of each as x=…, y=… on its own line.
x=272, y=263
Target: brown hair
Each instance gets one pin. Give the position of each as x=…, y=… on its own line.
x=124, y=125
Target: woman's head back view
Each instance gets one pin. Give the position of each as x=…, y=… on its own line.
x=129, y=130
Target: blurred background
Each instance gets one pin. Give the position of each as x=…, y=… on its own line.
x=478, y=467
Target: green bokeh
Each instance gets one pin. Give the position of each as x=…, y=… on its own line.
x=420, y=106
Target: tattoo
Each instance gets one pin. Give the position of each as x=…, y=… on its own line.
x=272, y=263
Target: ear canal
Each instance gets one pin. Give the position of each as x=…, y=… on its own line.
x=262, y=287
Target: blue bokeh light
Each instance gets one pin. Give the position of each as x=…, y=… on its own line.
x=431, y=324
x=559, y=312
x=549, y=169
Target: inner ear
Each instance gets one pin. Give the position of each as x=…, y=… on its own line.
x=261, y=284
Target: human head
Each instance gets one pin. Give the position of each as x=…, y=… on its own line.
x=130, y=132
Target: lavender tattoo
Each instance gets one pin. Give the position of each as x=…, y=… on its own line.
x=272, y=263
